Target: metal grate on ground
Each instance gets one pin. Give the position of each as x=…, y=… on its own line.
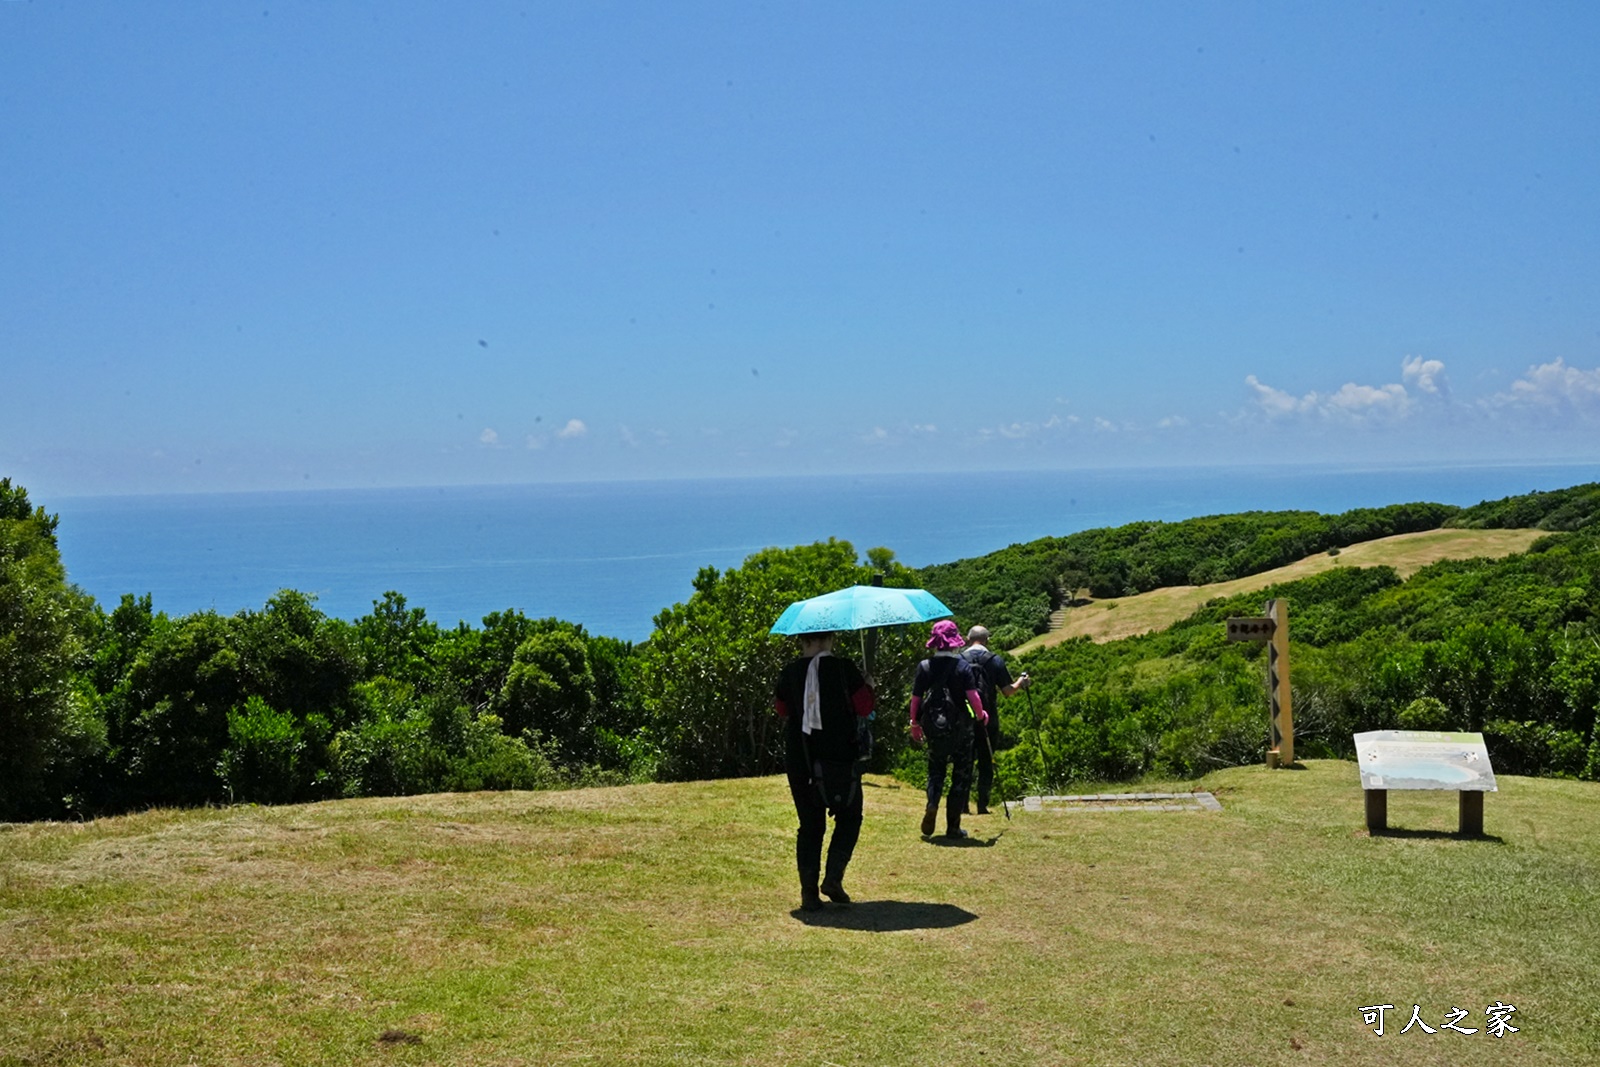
x=1122, y=802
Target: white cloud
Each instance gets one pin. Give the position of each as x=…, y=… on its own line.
x=1354, y=402
x=1425, y=374
x=489, y=437
x=1104, y=425
x=628, y=438
x=1276, y=401
x=1359, y=401
x=1554, y=388
x=876, y=436
x=533, y=442
x=1172, y=422
x=1016, y=430
x=573, y=428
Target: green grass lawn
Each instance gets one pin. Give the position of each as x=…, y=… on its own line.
x=656, y=924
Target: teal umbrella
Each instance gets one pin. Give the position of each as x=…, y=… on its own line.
x=859, y=607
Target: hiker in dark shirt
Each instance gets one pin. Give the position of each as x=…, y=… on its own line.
x=823, y=701
x=941, y=692
x=989, y=670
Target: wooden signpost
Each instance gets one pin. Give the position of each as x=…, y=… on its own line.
x=1272, y=629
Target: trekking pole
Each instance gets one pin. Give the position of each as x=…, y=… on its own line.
x=1033, y=715
x=988, y=744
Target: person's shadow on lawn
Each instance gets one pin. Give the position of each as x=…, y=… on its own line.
x=970, y=841
x=886, y=916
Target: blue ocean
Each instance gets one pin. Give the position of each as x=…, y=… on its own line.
x=611, y=555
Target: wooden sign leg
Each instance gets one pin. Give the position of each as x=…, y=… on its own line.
x=1378, y=810
x=1471, y=813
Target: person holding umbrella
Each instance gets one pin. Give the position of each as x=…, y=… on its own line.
x=824, y=703
x=941, y=692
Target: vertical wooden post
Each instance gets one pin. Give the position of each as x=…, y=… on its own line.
x=1281, y=740
x=1471, y=813
x=1378, y=810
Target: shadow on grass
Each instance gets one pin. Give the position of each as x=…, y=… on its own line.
x=1437, y=835
x=962, y=842
x=886, y=916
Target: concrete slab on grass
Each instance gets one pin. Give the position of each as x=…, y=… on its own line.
x=1122, y=802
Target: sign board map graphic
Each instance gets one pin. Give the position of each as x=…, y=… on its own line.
x=1424, y=759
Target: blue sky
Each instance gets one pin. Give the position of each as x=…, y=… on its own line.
x=295, y=245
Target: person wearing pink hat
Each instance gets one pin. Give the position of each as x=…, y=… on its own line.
x=941, y=692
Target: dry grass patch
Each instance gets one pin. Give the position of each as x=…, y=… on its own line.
x=1120, y=617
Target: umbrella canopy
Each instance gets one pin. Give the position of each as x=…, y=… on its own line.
x=858, y=608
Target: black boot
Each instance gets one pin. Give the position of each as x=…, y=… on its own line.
x=930, y=819
x=953, y=823
x=833, y=889
x=810, y=899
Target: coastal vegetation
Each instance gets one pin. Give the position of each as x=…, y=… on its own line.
x=127, y=708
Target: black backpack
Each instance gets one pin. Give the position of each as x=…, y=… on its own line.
x=941, y=705
x=979, y=658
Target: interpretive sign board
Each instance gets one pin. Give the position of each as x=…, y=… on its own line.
x=1424, y=759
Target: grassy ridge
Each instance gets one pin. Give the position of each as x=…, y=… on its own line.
x=1016, y=588
x=1110, y=620
x=652, y=924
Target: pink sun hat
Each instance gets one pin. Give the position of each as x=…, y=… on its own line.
x=945, y=636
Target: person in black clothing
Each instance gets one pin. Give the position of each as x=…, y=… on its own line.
x=993, y=679
x=941, y=692
x=824, y=703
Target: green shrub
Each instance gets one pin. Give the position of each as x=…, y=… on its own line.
x=262, y=761
x=488, y=759
x=1533, y=748
x=633, y=758
x=1009, y=636
x=385, y=758
x=1426, y=713
x=1591, y=766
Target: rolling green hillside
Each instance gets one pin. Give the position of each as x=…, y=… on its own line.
x=1014, y=590
x=1405, y=554
x=1509, y=647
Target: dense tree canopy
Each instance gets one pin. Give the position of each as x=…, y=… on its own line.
x=708, y=670
x=45, y=728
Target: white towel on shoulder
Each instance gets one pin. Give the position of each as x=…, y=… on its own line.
x=811, y=721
